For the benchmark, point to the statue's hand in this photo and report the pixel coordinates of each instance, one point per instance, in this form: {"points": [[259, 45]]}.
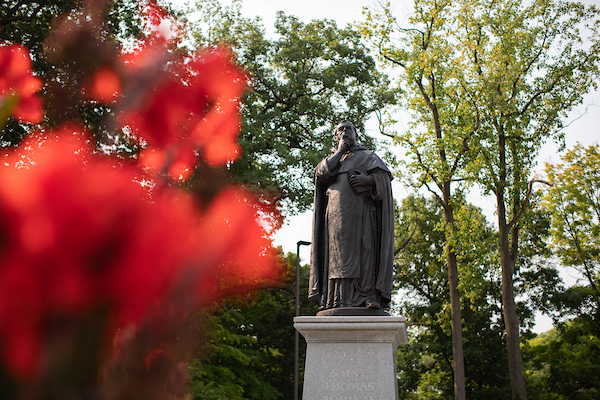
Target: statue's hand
{"points": [[360, 179], [343, 146]]}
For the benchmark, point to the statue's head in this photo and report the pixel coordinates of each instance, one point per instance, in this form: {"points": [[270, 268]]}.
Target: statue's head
{"points": [[346, 130]]}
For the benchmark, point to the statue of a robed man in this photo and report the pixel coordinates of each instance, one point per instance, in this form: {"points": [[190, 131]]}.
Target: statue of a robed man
{"points": [[353, 227]]}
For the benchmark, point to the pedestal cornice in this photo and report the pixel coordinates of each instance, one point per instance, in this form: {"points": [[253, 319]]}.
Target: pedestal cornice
{"points": [[347, 329]]}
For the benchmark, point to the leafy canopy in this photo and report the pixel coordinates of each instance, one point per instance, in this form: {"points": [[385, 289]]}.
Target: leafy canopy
{"points": [[304, 81]]}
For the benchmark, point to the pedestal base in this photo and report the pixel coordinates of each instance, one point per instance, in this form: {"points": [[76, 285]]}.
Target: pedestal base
{"points": [[351, 357]]}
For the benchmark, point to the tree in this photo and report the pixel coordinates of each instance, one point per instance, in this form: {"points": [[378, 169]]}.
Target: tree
{"points": [[304, 81], [445, 120], [425, 362], [529, 63], [574, 204], [524, 66], [564, 363]]}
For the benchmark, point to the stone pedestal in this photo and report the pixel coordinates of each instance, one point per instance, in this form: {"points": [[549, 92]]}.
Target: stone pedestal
{"points": [[351, 357]]}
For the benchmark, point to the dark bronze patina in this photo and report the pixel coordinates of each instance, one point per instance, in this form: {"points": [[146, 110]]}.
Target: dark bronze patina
{"points": [[353, 230]]}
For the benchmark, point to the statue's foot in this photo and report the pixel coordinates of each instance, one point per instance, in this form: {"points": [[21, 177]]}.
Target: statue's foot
{"points": [[372, 304]]}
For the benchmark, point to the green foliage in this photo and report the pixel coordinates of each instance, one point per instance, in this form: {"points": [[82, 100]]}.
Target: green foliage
{"points": [[475, 246], [433, 79], [425, 363], [28, 22], [564, 363], [304, 81], [249, 348], [574, 204], [237, 365], [529, 63]]}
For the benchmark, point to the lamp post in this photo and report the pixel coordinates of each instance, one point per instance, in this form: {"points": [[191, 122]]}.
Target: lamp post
{"points": [[296, 335]]}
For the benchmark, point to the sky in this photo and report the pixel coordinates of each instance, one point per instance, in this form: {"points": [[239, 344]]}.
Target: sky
{"points": [[342, 11], [584, 121]]}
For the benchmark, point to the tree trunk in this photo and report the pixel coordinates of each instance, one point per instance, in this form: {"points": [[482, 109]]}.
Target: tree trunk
{"points": [[508, 256], [511, 320], [458, 364]]}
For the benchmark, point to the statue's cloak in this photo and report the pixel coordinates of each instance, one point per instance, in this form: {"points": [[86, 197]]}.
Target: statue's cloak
{"points": [[378, 210]]}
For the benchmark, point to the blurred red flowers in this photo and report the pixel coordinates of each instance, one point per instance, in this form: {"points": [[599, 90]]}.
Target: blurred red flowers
{"points": [[18, 87], [195, 106], [84, 242], [80, 234]]}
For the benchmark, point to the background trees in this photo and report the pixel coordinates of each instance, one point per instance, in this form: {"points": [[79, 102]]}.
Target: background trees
{"points": [[425, 363], [563, 363], [520, 67], [250, 354], [444, 122], [304, 81], [574, 205]]}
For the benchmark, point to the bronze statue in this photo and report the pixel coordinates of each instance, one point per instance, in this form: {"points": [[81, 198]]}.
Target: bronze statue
{"points": [[353, 228]]}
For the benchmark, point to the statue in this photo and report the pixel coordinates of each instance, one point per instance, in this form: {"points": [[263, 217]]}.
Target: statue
{"points": [[353, 229]]}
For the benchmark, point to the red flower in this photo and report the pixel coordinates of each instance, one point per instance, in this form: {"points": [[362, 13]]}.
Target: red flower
{"points": [[16, 81], [105, 85], [79, 235], [242, 250], [82, 241], [196, 106], [82, 236]]}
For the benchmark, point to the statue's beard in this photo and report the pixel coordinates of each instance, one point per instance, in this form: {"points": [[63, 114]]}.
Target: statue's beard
{"points": [[351, 142]]}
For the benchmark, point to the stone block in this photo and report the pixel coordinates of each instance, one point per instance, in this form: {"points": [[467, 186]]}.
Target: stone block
{"points": [[351, 357]]}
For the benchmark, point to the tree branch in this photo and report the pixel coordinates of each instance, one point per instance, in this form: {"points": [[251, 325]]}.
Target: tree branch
{"points": [[407, 241], [381, 125], [422, 164], [526, 202]]}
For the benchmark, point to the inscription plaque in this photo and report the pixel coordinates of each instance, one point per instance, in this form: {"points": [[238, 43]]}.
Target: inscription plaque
{"points": [[351, 357], [349, 379]]}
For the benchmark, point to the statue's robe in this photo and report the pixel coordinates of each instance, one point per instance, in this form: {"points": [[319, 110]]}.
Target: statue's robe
{"points": [[353, 234]]}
